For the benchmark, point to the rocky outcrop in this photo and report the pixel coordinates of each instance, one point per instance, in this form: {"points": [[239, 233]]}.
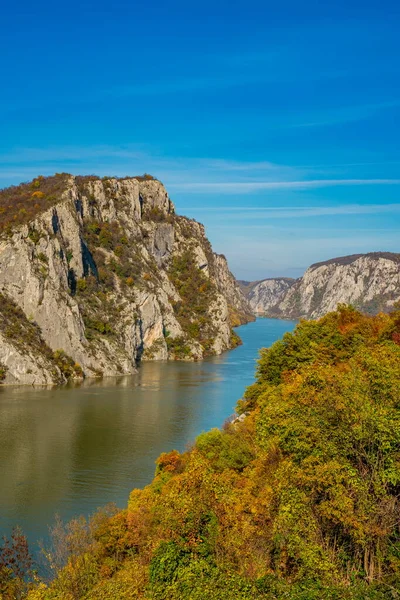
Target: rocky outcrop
{"points": [[370, 282], [265, 294], [239, 307], [25, 367], [111, 275]]}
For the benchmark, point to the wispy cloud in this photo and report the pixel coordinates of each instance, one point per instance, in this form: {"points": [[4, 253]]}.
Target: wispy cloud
{"points": [[346, 114], [300, 211], [133, 159], [189, 175], [231, 165], [349, 164], [70, 153], [241, 187], [249, 213]]}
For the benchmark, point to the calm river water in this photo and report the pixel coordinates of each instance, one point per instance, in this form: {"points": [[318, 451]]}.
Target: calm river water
{"points": [[70, 450]]}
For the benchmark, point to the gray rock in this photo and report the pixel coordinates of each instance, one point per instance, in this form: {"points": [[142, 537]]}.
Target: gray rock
{"points": [[263, 295], [134, 318], [370, 282]]}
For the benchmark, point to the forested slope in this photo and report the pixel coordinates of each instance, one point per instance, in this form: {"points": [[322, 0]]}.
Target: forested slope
{"points": [[297, 499]]}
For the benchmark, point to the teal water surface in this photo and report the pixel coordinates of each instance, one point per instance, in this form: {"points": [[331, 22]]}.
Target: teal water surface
{"points": [[70, 450]]}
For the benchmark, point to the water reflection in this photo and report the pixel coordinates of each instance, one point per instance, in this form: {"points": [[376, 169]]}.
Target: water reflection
{"points": [[72, 449]]}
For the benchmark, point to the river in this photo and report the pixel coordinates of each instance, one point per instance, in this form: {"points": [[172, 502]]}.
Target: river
{"points": [[71, 449]]}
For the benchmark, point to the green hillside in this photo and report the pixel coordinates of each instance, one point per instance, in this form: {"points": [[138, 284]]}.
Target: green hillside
{"points": [[298, 499]]}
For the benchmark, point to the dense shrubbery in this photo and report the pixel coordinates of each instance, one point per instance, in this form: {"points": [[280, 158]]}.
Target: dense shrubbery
{"points": [[178, 347], [235, 340], [3, 372], [197, 292], [299, 500], [157, 215], [68, 367], [20, 204], [26, 336], [15, 566], [118, 263], [145, 177], [82, 179]]}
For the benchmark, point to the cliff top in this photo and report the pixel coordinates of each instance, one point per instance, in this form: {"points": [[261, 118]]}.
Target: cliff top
{"points": [[348, 260], [20, 204], [250, 284]]}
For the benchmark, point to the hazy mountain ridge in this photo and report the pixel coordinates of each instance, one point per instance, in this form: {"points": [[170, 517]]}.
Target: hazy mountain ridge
{"points": [[371, 282], [105, 271], [263, 295]]}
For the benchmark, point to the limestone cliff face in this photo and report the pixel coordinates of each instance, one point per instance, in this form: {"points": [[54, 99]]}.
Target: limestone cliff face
{"points": [[370, 282], [111, 275], [238, 305], [263, 295]]}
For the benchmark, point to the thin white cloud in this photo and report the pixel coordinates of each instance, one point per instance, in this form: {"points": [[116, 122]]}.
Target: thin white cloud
{"points": [[132, 159], [70, 153], [278, 212], [349, 164], [245, 187], [230, 165], [191, 175]]}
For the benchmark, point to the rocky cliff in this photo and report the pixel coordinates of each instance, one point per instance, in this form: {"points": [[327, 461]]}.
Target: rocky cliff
{"points": [[239, 307], [264, 295], [97, 274], [370, 282]]}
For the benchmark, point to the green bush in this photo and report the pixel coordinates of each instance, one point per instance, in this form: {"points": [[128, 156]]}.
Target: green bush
{"points": [[81, 285], [96, 325], [34, 235], [197, 292], [165, 562], [3, 372], [19, 205], [178, 347], [224, 450], [42, 257]]}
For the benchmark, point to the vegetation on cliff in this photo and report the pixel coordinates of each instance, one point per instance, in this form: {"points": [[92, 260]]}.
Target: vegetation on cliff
{"points": [[20, 204], [197, 292], [25, 336], [369, 282], [297, 499], [109, 272]]}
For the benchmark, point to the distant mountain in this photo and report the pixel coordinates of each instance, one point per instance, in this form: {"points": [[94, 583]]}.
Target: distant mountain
{"points": [[264, 295], [370, 282]]}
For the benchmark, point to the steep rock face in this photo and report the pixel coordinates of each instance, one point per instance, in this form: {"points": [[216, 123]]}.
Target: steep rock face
{"points": [[24, 355], [371, 282], [26, 367], [110, 275], [263, 295], [238, 305]]}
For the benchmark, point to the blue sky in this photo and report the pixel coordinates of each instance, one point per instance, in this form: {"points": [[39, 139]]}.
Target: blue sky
{"points": [[276, 124]]}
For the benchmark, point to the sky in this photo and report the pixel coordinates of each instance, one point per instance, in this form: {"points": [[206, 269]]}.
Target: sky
{"points": [[276, 124]]}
